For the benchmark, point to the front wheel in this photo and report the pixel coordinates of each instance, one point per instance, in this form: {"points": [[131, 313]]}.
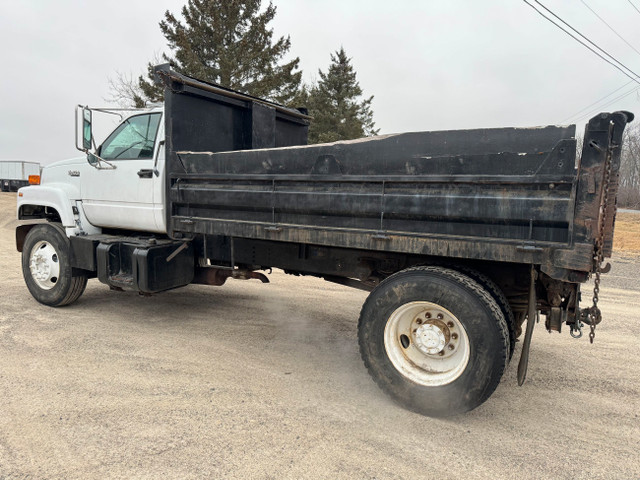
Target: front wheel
{"points": [[46, 267], [434, 340]]}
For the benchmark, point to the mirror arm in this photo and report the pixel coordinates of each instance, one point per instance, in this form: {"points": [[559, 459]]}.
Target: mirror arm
{"points": [[100, 161], [76, 130], [111, 165]]}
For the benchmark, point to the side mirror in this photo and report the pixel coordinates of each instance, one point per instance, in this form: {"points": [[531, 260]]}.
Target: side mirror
{"points": [[87, 135], [92, 159]]}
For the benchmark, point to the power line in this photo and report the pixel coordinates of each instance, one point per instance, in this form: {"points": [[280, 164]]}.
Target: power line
{"points": [[633, 6], [610, 27], [596, 102], [582, 43], [601, 108], [618, 65]]}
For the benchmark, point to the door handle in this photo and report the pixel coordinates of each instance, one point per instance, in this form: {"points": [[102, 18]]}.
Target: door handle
{"points": [[145, 173]]}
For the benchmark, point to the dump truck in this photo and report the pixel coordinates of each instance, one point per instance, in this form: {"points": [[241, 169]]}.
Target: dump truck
{"points": [[462, 237], [15, 174]]}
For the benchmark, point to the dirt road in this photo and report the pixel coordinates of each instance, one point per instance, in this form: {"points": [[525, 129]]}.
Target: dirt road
{"points": [[265, 381]]}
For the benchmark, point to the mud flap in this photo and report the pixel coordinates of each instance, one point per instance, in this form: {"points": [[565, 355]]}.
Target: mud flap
{"points": [[531, 321]]}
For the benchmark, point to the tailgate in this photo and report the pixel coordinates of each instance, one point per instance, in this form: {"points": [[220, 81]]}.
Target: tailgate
{"points": [[599, 169]]}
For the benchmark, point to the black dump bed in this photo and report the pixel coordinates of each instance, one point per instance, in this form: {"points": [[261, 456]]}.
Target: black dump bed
{"points": [[237, 166]]}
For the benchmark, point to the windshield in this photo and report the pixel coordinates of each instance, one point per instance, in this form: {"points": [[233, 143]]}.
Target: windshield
{"points": [[134, 138]]}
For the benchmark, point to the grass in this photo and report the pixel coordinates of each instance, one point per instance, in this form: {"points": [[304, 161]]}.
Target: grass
{"points": [[626, 237]]}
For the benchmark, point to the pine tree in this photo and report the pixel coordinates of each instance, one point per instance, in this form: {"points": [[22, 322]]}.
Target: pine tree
{"points": [[334, 102], [228, 42]]}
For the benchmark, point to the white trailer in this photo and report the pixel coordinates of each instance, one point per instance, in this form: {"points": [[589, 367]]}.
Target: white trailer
{"points": [[15, 174]]}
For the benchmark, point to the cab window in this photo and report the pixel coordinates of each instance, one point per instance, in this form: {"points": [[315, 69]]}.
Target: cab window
{"points": [[134, 138]]}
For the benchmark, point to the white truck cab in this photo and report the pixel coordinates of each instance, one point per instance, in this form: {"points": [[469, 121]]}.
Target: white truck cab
{"points": [[120, 186]]}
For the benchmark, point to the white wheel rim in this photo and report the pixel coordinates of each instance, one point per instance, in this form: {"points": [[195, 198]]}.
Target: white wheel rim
{"points": [[44, 265], [426, 343]]}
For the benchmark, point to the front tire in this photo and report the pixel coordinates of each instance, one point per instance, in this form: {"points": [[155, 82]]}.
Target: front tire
{"points": [[434, 340], [46, 267]]}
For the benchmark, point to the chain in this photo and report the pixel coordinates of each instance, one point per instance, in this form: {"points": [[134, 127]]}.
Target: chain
{"points": [[595, 316]]}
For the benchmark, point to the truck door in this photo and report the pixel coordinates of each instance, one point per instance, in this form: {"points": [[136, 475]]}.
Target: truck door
{"points": [[123, 197]]}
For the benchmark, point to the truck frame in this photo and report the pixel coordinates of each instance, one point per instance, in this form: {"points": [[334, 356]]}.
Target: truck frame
{"points": [[460, 236]]}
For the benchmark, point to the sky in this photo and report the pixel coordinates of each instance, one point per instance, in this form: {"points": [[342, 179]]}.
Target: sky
{"points": [[430, 65]]}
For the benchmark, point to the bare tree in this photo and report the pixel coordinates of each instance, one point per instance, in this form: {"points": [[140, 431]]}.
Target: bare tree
{"points": [[629, 174], [629, 180], [125, 91]]}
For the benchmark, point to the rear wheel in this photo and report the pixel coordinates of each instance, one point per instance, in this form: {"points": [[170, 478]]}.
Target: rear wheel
{"points": [[434, 340], [46, 267], [500, 298]]}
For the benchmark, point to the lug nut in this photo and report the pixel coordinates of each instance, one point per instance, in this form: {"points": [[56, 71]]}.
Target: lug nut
{"points": [[451, 347], [441, 353], [450, 324], [419, 321], [428, 315], [454, 336], [440, 317]]}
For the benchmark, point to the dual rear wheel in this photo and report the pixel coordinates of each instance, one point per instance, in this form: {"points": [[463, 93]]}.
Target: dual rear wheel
{"points": [[434, 339]]}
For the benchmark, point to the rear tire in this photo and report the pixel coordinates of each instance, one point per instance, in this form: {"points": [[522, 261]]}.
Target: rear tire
{"points": [[499, 297], [46, 267], [434, 340]]}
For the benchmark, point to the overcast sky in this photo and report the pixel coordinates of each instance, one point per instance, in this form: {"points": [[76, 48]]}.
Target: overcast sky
{"points": [[431, 65]]}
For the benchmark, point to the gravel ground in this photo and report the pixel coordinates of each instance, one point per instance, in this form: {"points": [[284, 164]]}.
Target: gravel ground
{"points": [[265, 381]]}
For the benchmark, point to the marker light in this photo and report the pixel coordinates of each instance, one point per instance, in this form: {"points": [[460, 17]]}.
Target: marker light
{"points": [[34, 179]]}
